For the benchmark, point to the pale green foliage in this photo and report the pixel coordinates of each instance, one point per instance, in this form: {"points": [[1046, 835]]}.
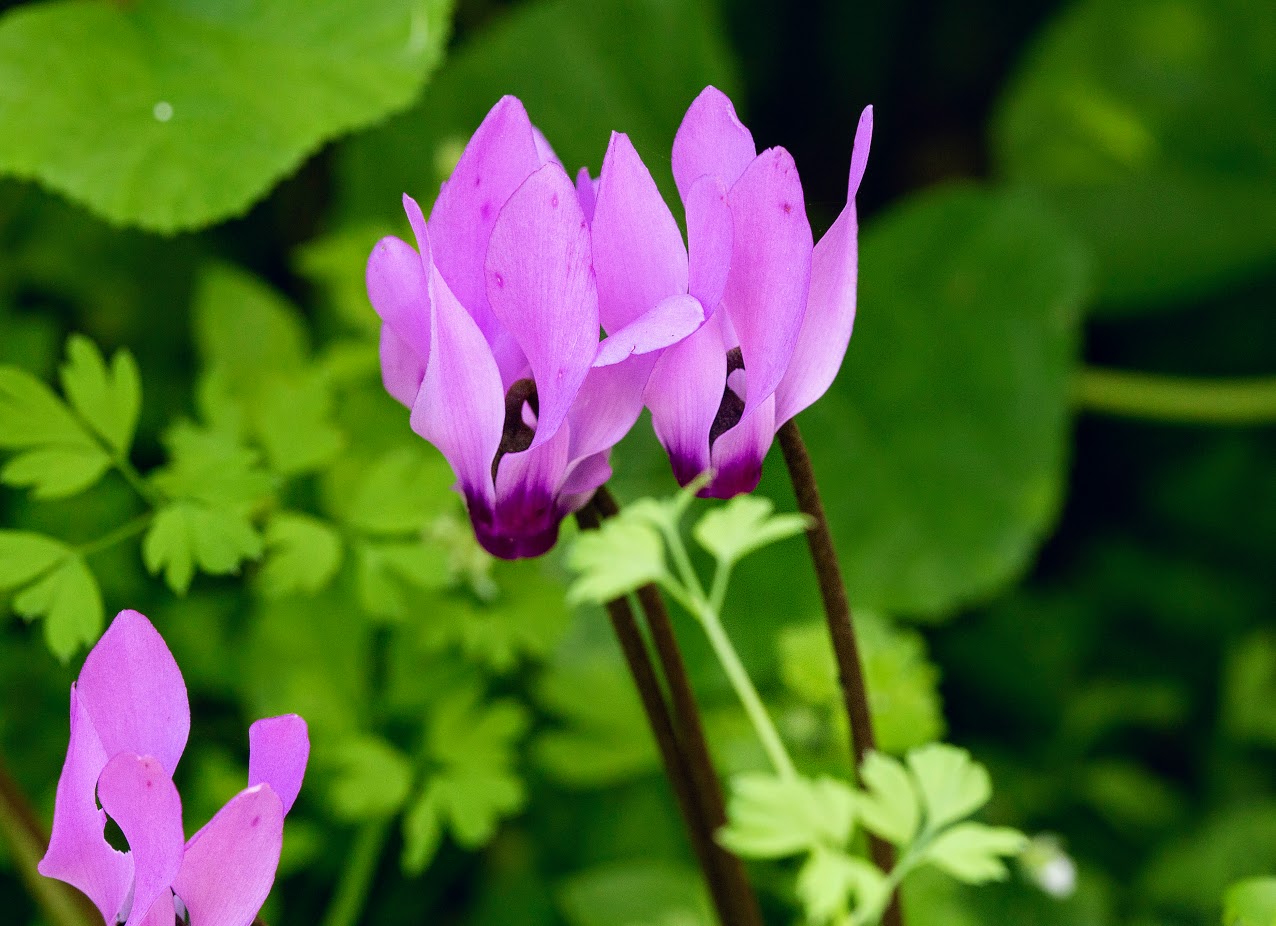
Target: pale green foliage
{"points": [[302, 555], [370, 778], [1250, 903], [744, 524], [624, 554], [828, 877], [172, 115], [951, 783], [889, 807], [635, 893], [52, 582], [188, 535], [108, 400], [772, 817]]}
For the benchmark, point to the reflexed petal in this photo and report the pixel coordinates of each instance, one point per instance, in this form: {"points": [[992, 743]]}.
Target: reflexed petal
{"points": [[608, 404], [498, 158], [461, 406], [78, 851], [544, 150], [770, 269], [402, 369], [639, 256], [541, 287], [138, 794], [399, 291], [583, 481], [133, 691], [586, 192], [711, 140], [417, 220], [739, 452], [666, 323], [830, 308], [230, 864], [684, 393], [708, 241], [278, 749], [525, 522]]}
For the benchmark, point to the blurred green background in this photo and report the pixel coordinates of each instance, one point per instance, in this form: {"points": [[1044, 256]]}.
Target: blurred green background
{"points": [[1082, 598]]}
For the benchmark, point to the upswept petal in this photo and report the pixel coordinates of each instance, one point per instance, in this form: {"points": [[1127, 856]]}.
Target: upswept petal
{"points": [[639, 257], [133, 691], [684, 393], [540, 284], [402, 368], [666, 323], [830, 308], [709, 234], [399, 290], [230, 864], [583, 480], [544, 150], [711, 140], [78, 851], [527, 513], [138, 794], [586, 192], [278, 749], [738, 453], [498, 158], [608, 404], [770, 269], [461, 406]]}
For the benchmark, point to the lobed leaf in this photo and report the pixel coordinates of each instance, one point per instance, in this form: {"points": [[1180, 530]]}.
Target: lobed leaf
{"points": [[107, 399], [624, 554], [975, 853], [951, 783], [69, 600], [744, 524], [303, 553], [186, 536]]}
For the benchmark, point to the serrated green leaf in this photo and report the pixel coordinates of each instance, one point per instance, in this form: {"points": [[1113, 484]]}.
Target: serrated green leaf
{"points": [[975, 853], [1251, 902], [773, 817], [69, 600], [56, 472], [109, 400], [174, 115], [388, 572], [952, 784], [401, 493], [25, 556], [623, 555], [827, 881], [212, 467], [292, 421], [187, 535], [32, 416], [302, 555], [889, 806], [370, 779], [744, 524], [422, 831]]}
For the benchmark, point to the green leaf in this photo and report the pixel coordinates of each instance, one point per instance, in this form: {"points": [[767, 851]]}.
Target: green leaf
{"points": [[952, 784], [370, 779], [211, 467], [173, 115], [889, 805], [302, 555], [109, 400], [292, 417], [25, 556], [974, 853], [1251, 902], [56, 472], [948, 429], [828, 880], [645, 61], [188, 535], [1138, 169], [621, 556], [31, 415], [69, 600], [772, 817], [389, 571], [745, 524], [401, 493], [245, 329], [422, 831], [635, 892]]}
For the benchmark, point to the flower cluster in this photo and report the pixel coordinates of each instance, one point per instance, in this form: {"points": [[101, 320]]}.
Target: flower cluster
{"points": [[491, 323], [130, 718]]}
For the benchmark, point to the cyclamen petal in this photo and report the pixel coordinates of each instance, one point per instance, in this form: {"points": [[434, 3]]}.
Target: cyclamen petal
{"points": [[665, 324], [684, 393], [278, 750], [709, 236], [712, 141]]}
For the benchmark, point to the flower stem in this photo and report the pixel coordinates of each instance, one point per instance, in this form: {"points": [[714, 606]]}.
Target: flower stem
{"points": [[837, 611], [694, 745], [360, 870], [1180, 400], [24, 839], [125, 531]]}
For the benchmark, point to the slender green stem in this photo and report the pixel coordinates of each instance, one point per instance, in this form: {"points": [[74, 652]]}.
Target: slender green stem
{"points": [[135, 480], [718, 591], [125, 531], [357, 876], [1177, 399]]}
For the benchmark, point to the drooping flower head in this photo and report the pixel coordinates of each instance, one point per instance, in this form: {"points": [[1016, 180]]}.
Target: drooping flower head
{"points": [[490, 336], [129, 722], [780, 310]]}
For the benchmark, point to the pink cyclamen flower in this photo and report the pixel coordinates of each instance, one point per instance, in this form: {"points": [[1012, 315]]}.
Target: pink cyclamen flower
{"points": [[129, 721], [490, 336], [780, 311]]}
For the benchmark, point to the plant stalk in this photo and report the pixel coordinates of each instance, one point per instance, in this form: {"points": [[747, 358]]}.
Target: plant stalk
{"points": [[351, 897], [1176, 399], [672, 756], [837, 611]]}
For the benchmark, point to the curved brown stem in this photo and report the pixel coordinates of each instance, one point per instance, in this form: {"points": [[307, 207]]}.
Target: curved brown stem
{"points": [[837, 610]]}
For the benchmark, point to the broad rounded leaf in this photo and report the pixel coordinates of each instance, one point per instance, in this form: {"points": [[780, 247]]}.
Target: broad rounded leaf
{"points": [[942, 445], [172, 115]]}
